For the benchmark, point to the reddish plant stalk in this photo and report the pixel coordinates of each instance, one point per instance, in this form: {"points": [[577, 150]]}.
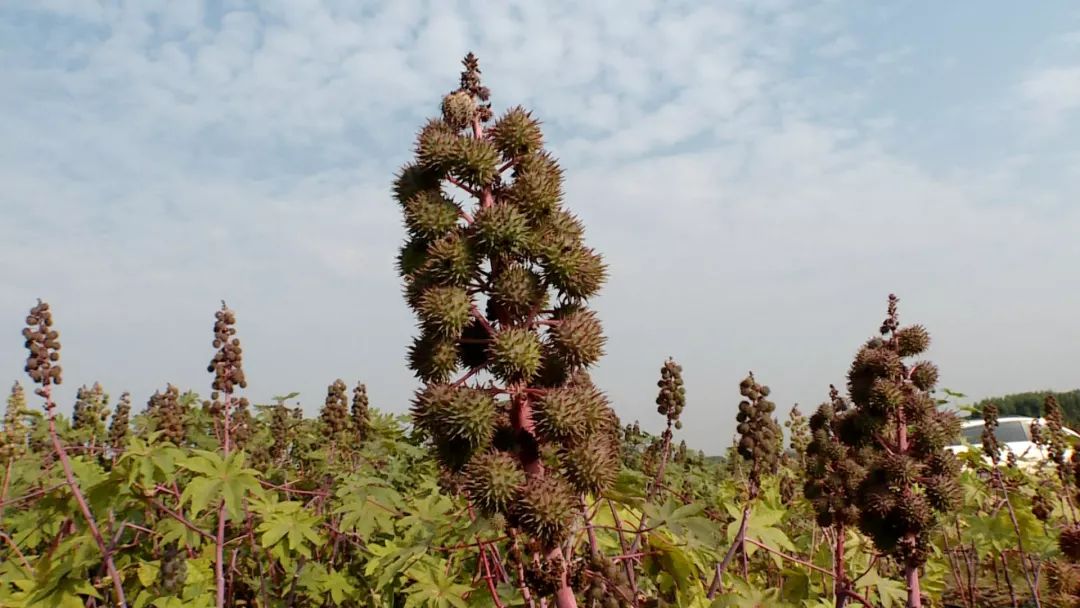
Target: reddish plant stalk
{"points": [[219, 540], [69, 475]]}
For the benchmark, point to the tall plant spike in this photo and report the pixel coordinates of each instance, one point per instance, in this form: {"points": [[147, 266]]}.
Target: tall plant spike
{"points": [[499, 276], [899, 436]]}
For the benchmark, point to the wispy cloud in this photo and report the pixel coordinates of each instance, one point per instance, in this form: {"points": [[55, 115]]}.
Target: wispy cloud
{"points": [[747, 191]]}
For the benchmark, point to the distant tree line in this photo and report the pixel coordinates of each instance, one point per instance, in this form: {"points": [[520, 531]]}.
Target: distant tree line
{"points": [[1031, 404]]}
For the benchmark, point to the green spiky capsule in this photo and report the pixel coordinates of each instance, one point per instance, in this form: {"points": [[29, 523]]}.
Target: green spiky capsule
{"points": [[559, 416], [516, 354], [493, 480], [516, 133], [924, 375], [517, 291], [502, 229], [445, 310], [433, 358], [537, 185], [469, 417], [591, 467], [436, 146], [912, 340], [578, 337], [546, 509], [430, 215]]}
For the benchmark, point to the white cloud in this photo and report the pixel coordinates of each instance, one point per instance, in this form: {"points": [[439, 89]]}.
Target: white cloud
{"points": [[1051, 94], [173, 157]]}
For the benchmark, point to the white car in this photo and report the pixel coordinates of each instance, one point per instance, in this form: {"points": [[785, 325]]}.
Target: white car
{"points": [[1014, 435]]}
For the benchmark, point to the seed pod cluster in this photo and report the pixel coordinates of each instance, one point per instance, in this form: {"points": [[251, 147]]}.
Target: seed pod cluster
{"points": [[361, 417], [1056, 443], [799, 431], [168, 414], [335, 411], [120, 426], [43, 342], [228, 357], [91, 412], [13, 440], [672, 398], [833, 474], [899, 436], [500, 291], [990, 446], [759, 433]]}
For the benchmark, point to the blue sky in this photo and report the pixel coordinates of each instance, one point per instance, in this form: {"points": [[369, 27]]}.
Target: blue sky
{"points": [[759, 174]]}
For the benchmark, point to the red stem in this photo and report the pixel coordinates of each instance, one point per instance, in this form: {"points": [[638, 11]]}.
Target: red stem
{"points": [[69, 475]]}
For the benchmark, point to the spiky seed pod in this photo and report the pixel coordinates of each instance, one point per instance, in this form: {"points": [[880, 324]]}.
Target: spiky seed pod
{"points": [[502, 229], [474, 161], [924, 375], [516, 354], [445, 310], [361, 417], [458, 109], [413, 179], [430, 405], [516, 133], [943, 493], [411, 258], [886, 396], [578, 337], [912, 340], [334, 415], [559, 415], [516, 291], [545, 509], [591, 468], [493, 480], [119, 428], [451, 260], [672, 396], [537, 185], [1069, 542], [430, 215], [43, 344], [435, 146], [469, 417], [578, 273], [433, 358]]}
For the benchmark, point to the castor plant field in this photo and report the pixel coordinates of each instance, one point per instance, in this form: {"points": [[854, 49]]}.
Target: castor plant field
{"points": [[512, 480]]}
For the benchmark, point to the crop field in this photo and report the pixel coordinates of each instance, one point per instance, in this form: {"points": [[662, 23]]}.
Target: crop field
{"points": [[512, 481]]}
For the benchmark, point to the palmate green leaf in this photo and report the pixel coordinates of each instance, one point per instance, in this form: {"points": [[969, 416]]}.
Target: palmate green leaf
{"points": [[743, 595], [761, 526], [339, 587], [432, 588], [674, 560], [218, 479], [888, 592]]}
